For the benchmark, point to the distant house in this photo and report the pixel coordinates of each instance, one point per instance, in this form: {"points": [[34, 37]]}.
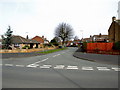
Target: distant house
{"points": [[114, 30], [19, 42], [41, 40], [85, 39], [96, 38], [38, 39], [46, 41], [100, 38]]}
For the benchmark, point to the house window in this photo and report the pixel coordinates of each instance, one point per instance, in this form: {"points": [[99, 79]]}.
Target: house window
{"points": [[16, 45]]}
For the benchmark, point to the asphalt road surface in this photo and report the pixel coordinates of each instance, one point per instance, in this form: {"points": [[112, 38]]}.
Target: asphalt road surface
{"points": [[57, 70]]}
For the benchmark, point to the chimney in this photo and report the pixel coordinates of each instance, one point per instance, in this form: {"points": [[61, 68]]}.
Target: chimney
{"points": [[113, 19], [43, 37]]}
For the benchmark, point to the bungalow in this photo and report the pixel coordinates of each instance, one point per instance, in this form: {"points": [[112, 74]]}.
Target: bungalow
{"points": [[41, 40], [19, 42]]}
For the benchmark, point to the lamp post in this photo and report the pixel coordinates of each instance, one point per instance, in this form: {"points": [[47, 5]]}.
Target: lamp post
{"points": [[81, 32]]}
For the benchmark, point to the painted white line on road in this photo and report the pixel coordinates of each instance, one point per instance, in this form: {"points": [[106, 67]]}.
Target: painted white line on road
{"points": [[72, 67], [19, 65], [56, 55], [32, 65], [87, 68], [103, 69], [116, 68], [59, 67], [41, 61], [0, 64], [8, 64], [46, 66], [35, 64]]}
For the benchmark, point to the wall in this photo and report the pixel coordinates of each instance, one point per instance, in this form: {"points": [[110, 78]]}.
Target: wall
{"points": [[25, 50], [99, 46]]}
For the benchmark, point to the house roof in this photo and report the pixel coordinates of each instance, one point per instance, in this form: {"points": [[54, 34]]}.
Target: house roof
{"points": [[38, 39], [118, 21], [22, 40], [100, 35], [86, 39]]}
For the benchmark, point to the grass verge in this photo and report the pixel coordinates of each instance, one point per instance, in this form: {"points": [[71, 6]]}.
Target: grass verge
{"points": [[51, 51]]}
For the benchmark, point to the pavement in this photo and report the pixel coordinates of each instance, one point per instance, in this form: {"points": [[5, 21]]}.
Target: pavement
{"points": [[16, 55], [58, 70], [101, 58]]}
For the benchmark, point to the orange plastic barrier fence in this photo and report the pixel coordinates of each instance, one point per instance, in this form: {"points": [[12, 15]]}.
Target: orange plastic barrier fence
{"points": [[99, 46]]}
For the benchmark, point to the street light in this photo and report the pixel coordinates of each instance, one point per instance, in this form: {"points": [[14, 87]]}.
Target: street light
{"points": [[82, 32]]}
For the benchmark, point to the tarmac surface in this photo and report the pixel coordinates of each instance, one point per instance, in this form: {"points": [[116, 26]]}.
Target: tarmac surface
{"points": [[102, 58], [58, 70]]}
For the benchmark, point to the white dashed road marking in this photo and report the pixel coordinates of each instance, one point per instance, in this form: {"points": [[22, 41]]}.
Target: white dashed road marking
{"points": [[46, 66], [72, 67], [69, 67], [87, 68], [116, 68], [0, 64], [59, 67], [32, 65], [8, 64], [103, 68], [19, 65]]}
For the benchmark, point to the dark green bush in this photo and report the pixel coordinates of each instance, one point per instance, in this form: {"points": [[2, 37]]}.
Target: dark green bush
{"points": [[26, 47], [116, 46]]}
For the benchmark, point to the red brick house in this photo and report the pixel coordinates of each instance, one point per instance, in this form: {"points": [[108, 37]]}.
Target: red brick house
{"points": [[114, 30], [39, 39]]}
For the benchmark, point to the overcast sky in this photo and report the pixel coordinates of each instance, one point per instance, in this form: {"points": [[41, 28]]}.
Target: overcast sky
{"points": [[41, 17]]}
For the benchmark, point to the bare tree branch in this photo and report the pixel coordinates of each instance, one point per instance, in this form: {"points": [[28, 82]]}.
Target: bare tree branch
{"points": [[64, 31]]}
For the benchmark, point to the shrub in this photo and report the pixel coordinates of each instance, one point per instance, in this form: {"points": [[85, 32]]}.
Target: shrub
{"points": [[26, 47], [84, 47], [116, 46]]}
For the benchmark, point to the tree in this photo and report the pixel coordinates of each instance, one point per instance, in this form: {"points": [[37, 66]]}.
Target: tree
{"points": [[76, 38], [64, 31], [27, 37], [55, 41], [7, 39]]}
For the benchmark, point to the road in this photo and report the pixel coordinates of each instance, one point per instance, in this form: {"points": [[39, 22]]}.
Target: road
{"points": [[57, 70]]}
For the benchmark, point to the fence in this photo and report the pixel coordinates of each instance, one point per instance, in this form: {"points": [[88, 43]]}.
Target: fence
{"points": [[102, 48], [99, 46]]}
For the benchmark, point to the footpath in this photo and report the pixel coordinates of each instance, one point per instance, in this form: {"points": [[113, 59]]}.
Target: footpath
{"points": [[14, 55], [101, 58]]}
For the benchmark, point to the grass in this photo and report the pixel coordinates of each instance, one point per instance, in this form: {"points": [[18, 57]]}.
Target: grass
{"points": [[52, 51]]}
